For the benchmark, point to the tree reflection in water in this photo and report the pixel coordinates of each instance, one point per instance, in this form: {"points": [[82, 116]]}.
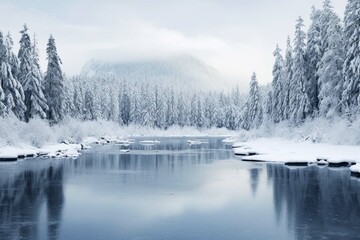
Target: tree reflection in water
{"points": [[23, 192], [317, 203], [314, 203]]}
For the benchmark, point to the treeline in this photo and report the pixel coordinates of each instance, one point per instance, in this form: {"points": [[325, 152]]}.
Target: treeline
{"points": [[152, 105], [320, 74], [24, 90]]}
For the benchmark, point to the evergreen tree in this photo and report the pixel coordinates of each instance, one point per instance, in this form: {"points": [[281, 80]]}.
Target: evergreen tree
{"points": [[351, 66], [171, 111], [135, 111], [24, 55], [89, 106], [148, 107], [331, 77], [231, 117], [326, 15], [125, 106], [11, 91], [193, 111], [210, 110], [277, 87], [299, 101], [181, 111], [54, 84], [220, 111], [268, 107], [112, 113], [199, 114], [34, 97], [159, 111], [78, 102], [253, 110], [287, 79], [314, 54]]}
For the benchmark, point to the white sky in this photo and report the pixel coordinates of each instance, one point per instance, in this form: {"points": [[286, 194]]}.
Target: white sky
{"points": [[236, 37]]}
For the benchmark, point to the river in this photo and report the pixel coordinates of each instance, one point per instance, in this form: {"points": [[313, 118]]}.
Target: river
{"points": [[173, 190]]}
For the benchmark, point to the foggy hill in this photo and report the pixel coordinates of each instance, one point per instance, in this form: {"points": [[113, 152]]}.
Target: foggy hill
{"points": [[183, 71]]}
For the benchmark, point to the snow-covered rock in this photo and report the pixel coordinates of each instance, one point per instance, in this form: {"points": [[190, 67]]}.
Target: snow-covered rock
{"points": [[355, 169]]}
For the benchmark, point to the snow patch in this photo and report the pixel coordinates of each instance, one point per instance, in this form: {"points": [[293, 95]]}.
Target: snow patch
{"points": [[285, 151]]}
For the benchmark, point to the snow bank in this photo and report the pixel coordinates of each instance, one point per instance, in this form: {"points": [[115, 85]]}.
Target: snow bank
{"points": [[355, 169], [319, 130], [19, 139], [12, 153], [285, 151], [38, 133]]}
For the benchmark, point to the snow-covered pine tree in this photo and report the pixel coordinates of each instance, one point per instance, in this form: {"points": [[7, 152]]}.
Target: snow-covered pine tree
{"points": [[268, 107], [193, 111], [12, 91], [13, 60], [34, 97], [68, 99], [199, 114], [287, 79], [135, 111], [330, 72], [24, 55], [231, 116], [54, 83], [351, 68], [220, 111], [326, 15], [125, 106], [160, 107], [210, 110], [299, 101], [171, 110], [112, 114], [277, 87], [181, 110], [89, 106], [78, 101], [238, 102], [148, 106], [253, 109], [314, 54]]}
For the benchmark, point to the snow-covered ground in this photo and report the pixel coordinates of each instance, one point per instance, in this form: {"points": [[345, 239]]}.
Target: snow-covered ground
{"points": [[295, 152], [19, 139], [11, 153]]}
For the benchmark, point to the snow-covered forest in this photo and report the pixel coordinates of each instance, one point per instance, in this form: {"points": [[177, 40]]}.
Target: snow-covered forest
{"points": [[317, 76]]}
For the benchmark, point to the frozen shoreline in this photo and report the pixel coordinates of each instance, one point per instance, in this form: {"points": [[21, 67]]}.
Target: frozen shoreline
{"points": [[276, 150], [69, 149], [289, 152], [62, 150]]}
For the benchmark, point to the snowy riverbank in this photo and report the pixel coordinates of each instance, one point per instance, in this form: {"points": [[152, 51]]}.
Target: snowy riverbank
{"points": [[298, 153], [13, 153], [36, 138]]}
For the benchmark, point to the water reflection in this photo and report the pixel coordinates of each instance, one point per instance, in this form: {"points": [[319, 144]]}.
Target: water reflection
{"points": [[174, 191], [254, 179], [23, 193], [317, 203]]}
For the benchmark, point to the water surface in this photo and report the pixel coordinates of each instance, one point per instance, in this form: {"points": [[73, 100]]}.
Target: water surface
{"points": [[174, 191]]}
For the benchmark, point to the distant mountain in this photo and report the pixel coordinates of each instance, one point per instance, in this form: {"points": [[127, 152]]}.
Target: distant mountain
{"points": [[184, 71]]}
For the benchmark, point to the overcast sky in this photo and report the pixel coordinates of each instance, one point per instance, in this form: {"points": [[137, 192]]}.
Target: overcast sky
{"points": [[236, 37]]}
